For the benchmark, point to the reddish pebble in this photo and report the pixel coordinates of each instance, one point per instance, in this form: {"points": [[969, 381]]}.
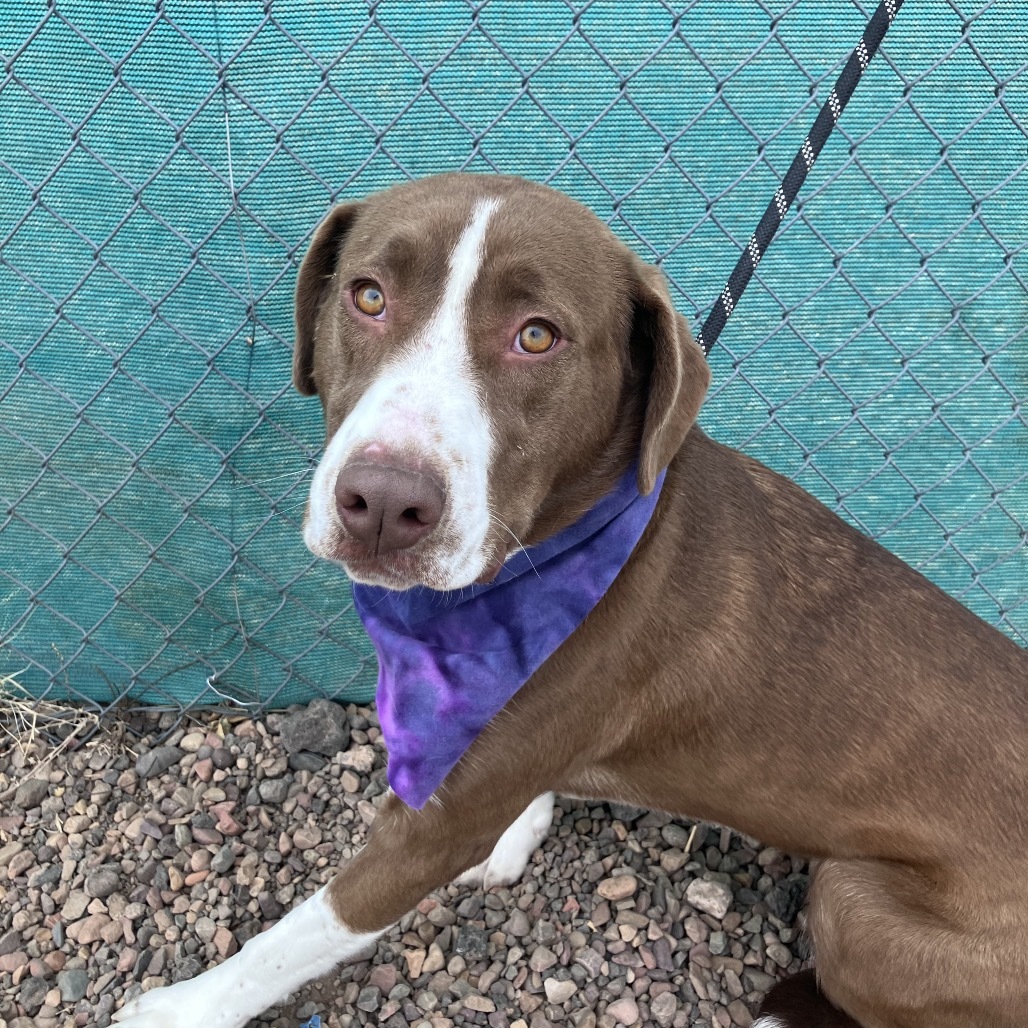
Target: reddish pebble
{"points": [[225, 942], [12, 961]]}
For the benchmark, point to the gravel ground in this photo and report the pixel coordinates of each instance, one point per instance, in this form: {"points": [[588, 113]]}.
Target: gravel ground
{"points": [[130, 864]]}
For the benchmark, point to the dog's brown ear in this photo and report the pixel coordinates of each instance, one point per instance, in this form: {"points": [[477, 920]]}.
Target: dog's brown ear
{"points": [[678, 373], [311, 285]]}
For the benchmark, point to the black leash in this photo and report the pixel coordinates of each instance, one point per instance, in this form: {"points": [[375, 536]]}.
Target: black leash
{"points": [[797, 173]]}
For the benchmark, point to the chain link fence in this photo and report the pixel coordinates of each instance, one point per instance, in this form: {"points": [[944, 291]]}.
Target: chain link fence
{"points": [[162, 167]]}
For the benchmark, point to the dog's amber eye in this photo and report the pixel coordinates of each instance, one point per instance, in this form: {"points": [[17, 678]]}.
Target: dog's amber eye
{"points": [[367, 297], [536, 337]]}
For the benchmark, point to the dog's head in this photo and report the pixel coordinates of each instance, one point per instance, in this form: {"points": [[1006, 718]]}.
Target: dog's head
{"points": [[490, 359]]}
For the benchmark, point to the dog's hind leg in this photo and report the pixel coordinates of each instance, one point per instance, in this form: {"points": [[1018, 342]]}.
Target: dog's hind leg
{"points": [[797, 1003], [506, 864]]}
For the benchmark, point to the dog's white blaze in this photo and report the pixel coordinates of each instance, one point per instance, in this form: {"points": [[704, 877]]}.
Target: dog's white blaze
{"points": [[308, 942], [426, 403], [769, 1022]]}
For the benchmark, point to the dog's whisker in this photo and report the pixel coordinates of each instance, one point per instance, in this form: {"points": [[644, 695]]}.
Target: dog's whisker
{"points": [[521, 546], [285, 474]]}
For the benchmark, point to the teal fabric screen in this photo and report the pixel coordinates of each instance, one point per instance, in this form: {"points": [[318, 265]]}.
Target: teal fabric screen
{"points": [[161, 170]]}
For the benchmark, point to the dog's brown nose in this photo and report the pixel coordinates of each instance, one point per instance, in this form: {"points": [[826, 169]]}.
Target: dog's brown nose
{"points": [[387, 508]]}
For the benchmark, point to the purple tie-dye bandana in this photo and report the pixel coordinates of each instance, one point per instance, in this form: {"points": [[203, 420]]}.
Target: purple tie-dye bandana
{"points": [[448, 662]]}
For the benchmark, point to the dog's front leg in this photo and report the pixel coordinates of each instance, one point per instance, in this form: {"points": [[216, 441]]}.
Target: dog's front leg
{"points": [[409, 854]]}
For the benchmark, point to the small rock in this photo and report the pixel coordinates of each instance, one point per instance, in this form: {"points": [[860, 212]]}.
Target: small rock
{"points": [[383, 977], [673, 860], [483, 1004], [186, 968], [559, 992], [32, 993], [89, 929], [360, 758], [192, 742], [306, 837], [663, 1009], [321, 728], [415, 962], [223, 859], [31, 793], [590, 960], [624, 1011], [9, 942], [675, 835], [755, 980], [434, 961], [618, 888], [784, 899], [542, 958], [102, 882], [369, 998], [73, 984], [273, 790], [712, 898], [305, 761], [225, 942], [472, 943], [10, 962], [157, 761], [74, 906], [739, 1013], [625, 812], [518, 924]]}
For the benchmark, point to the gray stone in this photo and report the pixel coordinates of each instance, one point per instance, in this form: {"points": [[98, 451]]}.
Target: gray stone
{"points": [[273, 790], [9, 942], [518, 924], [320, 728], [472, 943], [73, 984], [102, 882], [223, 859], [784, 899], [270, 907], [675, 835], [369, 999], [590, 960], [45, 876], [305, 761], [31, 793], [755, 980], [32, 993], [156, 761]]}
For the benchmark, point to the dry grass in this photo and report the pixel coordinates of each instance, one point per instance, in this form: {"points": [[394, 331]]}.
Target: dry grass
{"points": [[29, 733]]}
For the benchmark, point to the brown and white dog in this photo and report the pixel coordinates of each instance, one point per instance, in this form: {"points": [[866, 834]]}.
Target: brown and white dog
{"points": [[493, 336]]}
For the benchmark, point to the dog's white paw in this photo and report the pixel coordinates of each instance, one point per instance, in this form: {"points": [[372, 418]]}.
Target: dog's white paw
{"points": [[509, 858], [183, 1005]]}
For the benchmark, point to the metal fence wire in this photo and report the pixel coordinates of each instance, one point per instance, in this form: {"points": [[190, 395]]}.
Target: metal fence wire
{"points": [[162, 167]]}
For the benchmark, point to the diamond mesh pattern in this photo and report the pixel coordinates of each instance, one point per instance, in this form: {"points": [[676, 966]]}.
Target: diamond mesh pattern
{"points": [[162, 168]]}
